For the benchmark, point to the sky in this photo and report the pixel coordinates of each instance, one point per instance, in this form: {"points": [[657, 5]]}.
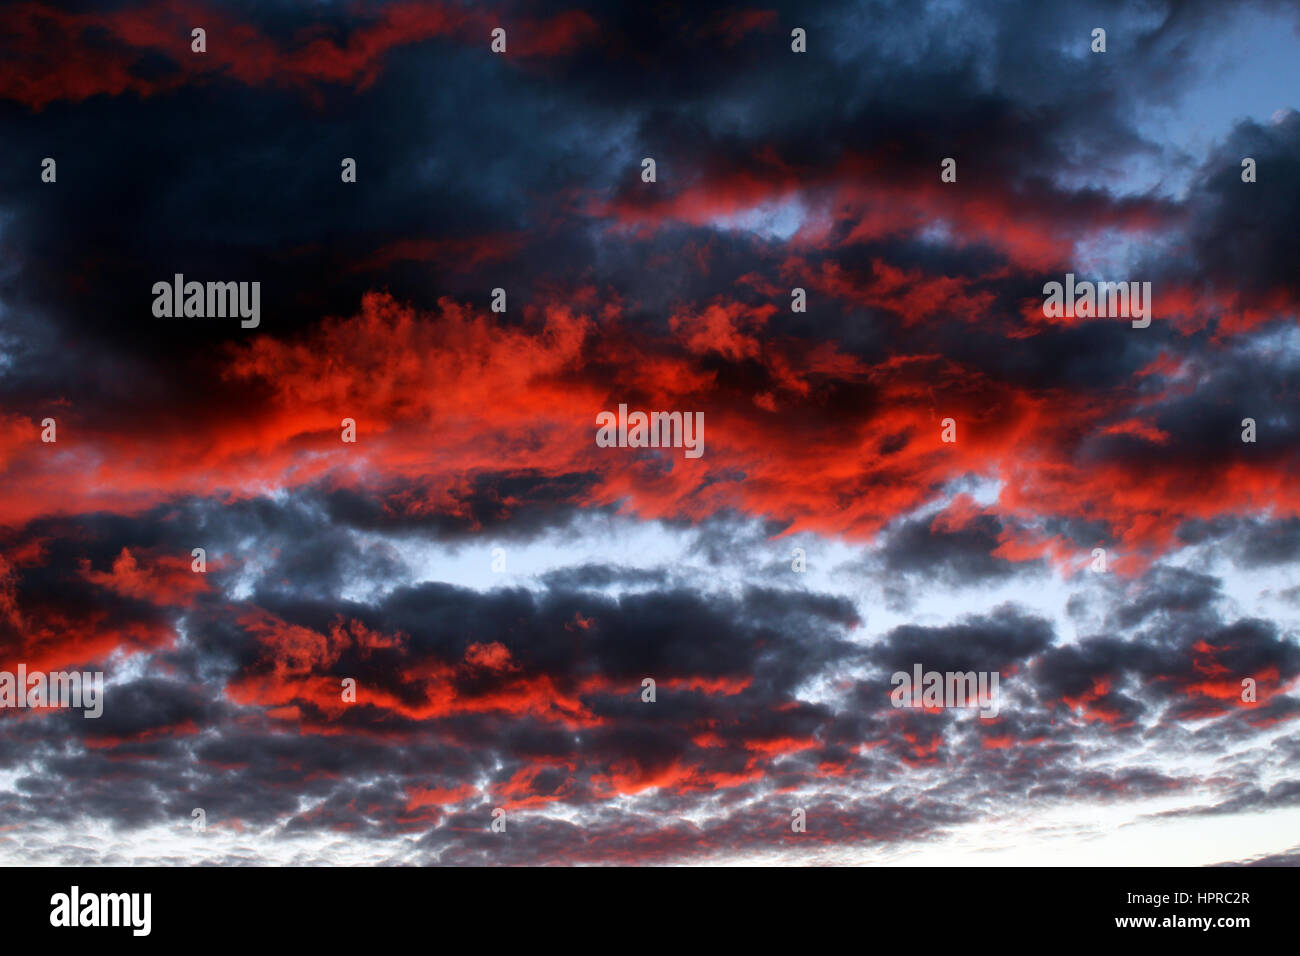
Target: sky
{"points": [[497, 585]]}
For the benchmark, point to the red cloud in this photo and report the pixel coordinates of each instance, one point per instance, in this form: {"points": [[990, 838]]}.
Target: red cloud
{"points": [[53, 55]]}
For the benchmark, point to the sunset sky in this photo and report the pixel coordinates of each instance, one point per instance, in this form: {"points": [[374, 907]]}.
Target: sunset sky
{"points": [[1122, 736]]}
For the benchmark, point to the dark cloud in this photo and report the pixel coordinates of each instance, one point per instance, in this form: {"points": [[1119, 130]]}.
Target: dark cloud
{"points": [[957, 556]]}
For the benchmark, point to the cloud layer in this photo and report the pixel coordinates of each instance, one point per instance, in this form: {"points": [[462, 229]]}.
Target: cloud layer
{"points": [[513, 679]]}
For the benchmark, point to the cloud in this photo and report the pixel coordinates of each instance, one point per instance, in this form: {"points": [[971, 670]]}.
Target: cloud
{"points": [[330, 560]]}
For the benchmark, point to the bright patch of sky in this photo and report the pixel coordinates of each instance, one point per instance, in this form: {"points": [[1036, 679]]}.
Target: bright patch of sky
{"points": [[1247, 66], [772, 220]]}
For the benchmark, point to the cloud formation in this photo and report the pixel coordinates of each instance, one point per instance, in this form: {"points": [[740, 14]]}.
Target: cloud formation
{"points": [[514, 680]]}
